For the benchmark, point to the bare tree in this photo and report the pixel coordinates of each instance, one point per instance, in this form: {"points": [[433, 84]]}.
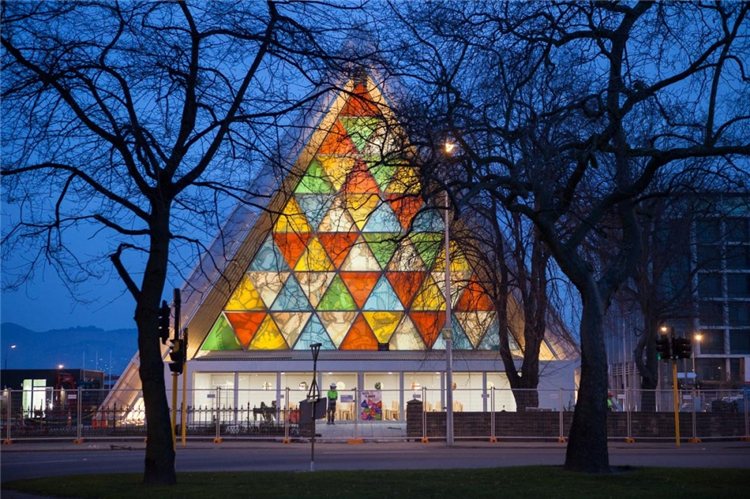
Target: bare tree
{"points": [[141, 121], [565, 113]]}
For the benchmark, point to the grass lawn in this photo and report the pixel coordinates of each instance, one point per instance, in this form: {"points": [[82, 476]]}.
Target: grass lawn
{"points": [[531, 481]]}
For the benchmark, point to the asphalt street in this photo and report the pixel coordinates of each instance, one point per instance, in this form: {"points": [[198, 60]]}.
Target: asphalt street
{"points": [[37, 460]]}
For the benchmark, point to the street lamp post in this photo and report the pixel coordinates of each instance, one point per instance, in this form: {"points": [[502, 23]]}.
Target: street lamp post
{"points": [[313, 395], [450, 147], [697, 337]]}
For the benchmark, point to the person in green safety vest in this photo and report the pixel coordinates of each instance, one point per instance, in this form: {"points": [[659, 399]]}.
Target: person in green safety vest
{"points": [[332, 396]]}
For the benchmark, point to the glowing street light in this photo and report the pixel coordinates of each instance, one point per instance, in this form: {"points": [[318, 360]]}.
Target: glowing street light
{"points": [[697, 337], [7, 354], [60, 366], [449, 146]]}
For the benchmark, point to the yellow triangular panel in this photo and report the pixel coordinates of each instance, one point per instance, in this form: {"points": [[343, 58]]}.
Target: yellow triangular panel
{"points": [[406, 336], [314, 284], [268, 337], [268, 284], [459, 263], [292, 219], [361, 206], [337, 324], [383, 324], [245, 297], [314, 258], [290, 324], [429, 296], [337, 168], [360, 258], [405, 181]]}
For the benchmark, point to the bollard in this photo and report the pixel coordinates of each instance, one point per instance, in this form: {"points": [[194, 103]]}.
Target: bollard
{"points": [[493, 438]]}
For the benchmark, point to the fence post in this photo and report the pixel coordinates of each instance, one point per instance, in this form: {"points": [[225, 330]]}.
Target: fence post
{"points": [[694, 439], [8, 439], [745, 400], [217, 438], [286, 416], [493, 438], [628, 419], [79, 417], [561, 439], [425, 440], [355, 415]]}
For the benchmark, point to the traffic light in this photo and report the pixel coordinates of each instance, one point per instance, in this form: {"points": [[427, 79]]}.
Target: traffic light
{"points": [[664, 347], [682, 348], [177, 356], [163, 326]]}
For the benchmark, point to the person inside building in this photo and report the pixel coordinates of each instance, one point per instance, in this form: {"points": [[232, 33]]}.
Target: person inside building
{"points": [[332, 396]]}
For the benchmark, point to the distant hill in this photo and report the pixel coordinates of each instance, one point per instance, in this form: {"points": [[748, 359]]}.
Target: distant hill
{"points": [[69, 347]]}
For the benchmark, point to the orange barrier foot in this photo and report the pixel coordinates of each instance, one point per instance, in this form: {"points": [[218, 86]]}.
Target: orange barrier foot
{"points": [[562, 440], [694, 440], [425, 440], [355, 441], [629, 440], [493, 440], [745, 439], [286, 441], [7, 441], [78, 441], [218, 440]]}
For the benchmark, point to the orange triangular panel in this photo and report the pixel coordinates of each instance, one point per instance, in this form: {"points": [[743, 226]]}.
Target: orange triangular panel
{"points": [[337, 245], [405, 207], [405, 284], [245, 325], [474, 298], [291, 245], [360, 337], [360, 181], [360, 285], [429, 325], [360, 103], [338, 142]]}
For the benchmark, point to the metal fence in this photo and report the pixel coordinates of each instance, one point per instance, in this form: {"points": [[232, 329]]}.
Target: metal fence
{"points": [[494, 414]]}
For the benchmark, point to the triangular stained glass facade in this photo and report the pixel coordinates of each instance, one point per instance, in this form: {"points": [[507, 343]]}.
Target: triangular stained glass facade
{"points": [[352, 256]]}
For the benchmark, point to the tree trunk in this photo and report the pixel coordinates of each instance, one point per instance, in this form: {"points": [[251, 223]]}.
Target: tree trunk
{"points": [[160, 455], [587, 446]]}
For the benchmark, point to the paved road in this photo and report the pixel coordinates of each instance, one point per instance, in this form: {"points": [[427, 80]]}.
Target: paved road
{"points": [[37, 460]]}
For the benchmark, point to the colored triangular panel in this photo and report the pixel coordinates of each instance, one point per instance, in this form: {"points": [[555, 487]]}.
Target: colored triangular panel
{"points": [[268, 337], [381, 171], [337, 245], [337, 324], [314, 332], [337, 219], [460, 340], [406, 258], [338, 142], [360, 285], [314, 285], [245, 325], [406, 337], [360, 181], [360, 103], [458, 282], [404, 181], [337, 169], [405, 207], [269, 284], [383, 297], [428, 221], [314, 181], [290, 324], [428, 245], [429, 325], [429, 296], [383, 246], [475, 324], [385, 142], [360, 129], [405, 285], [245, 297], [292, 219], [314, 258], [361, 206], [269, 258], [459, 263], [314, 206], [291, 245], [221, 337], [291, 298], [360, 258], [491, 338], [360, 337], [382, 220], [337, 297], [474, 298], [383, 324]]}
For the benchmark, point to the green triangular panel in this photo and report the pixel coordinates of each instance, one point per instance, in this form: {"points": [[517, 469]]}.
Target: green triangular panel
{"points": [[269, 258], [314, 181], [291, 298], [314, 332], [460, 340], [360, 129], [337, 297], [382, 246], [314, 206], [428, 245], [382, 172], [221, 337]]}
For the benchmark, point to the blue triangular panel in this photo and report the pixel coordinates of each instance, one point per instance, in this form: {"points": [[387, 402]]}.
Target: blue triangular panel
{"points": [[491, 340], [383, 297], [428, 221], [460, 340], [314, 332], [269, 258], [382, 220], [314, 207], [291, 298]]}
